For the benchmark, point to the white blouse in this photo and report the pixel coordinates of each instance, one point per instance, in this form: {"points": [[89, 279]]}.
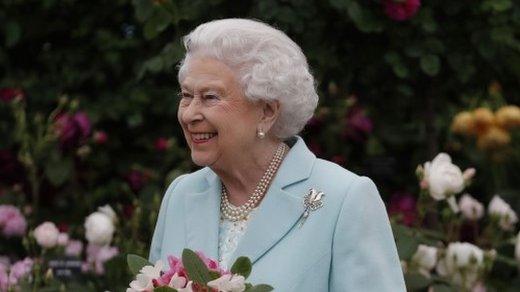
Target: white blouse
{"points": [[229, 236]]}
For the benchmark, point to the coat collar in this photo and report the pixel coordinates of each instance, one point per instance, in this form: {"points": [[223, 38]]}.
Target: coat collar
{"points": [[203, 209]]}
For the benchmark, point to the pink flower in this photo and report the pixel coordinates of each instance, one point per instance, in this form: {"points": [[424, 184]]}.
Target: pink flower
{"points": [[403, 204], [4, 277], [401, 10], [74, 248], [9, 94], [12, 222], [46, 234], [358, 125], [19, 270], [162, 144], [100, 137], [97, 256], [72, 129]]}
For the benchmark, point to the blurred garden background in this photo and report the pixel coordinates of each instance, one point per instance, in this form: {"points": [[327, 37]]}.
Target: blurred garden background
{"points": [[88, 101]]}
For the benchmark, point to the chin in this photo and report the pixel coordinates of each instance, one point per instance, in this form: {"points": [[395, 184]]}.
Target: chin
{"points": [[199, 160]]}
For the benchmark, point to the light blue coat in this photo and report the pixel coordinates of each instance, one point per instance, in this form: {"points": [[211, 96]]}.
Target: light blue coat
{"points": [[347, 245]]}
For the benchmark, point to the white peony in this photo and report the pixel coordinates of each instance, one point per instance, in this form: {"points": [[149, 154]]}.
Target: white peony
{"points": [[107, 210], [228, 283], [46, 234], [144, 280], [443, 179], [99, 228], [462, 263], [425, 258], [507, 216], [471, 209]]}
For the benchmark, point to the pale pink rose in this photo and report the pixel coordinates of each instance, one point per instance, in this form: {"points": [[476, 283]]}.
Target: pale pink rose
{"points": [[97, 256], [74, 248], [99, 228], [46, 234], [63, 239], [468, 174], [507, 216], [425, 258], [471, 209], [444, 178]]}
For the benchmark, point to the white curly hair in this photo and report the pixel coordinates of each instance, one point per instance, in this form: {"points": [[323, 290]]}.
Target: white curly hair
{"points": [[268, 64]]}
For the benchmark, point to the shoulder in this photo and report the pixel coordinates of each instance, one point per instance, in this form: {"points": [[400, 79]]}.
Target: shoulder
{"points": [[343, 186], [190, 182]]}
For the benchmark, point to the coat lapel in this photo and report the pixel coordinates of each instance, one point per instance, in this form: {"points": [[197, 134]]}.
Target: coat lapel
{"points": [[280, 210], [203, 215]]}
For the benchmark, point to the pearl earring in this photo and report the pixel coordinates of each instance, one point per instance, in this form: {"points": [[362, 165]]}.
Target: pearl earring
{"points": [[260, 134]]}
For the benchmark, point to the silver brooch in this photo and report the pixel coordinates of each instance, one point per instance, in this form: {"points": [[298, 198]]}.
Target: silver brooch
{"points": [[311, 202]]}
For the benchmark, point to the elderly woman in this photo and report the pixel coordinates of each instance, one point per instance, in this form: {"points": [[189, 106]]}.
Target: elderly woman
{"points": [[306, 224]]}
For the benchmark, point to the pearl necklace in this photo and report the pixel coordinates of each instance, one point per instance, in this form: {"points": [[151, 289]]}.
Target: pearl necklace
{"points": [[232, 213]]}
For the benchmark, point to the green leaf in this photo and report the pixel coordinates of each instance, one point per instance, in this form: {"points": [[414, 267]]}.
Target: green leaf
{"points": [[136, 263], [260, 288], [13, 32], [242, 266], [58, 169], [430, 64], [157, 23], [496, 5], [143, 9], [406, 244], [214, 275], [416, 281], [164, 289], [363, 18], [195, 267], [441, 288]]}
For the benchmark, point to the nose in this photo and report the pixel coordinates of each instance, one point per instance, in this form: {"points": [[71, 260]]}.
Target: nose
{"points": [[191, 113]]}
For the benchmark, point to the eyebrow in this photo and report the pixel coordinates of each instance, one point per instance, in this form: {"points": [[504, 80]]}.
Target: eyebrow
{"points": [[212, 86]]}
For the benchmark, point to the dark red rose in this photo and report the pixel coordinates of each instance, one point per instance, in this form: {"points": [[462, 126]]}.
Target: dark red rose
{"points": [[401, 10], [73, 129], [405, 205], [100, 137], [162, 144], [128, 211], [63, 227], [358, 125], [9, 94], [136, 180]]}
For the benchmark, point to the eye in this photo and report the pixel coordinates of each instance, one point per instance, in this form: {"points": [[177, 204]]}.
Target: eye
{"points": [[210, 96], [184, 95]]}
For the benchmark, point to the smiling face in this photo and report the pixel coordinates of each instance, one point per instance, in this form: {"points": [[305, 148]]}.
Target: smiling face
{"points": [[218, 121]]}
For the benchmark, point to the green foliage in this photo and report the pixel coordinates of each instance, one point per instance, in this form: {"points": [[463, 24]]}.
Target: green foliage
{"points": [[195, 267], [242, 266], [136, 263]]}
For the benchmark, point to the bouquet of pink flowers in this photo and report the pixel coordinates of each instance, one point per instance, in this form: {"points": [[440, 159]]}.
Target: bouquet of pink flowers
{"points": [[193, 273]]}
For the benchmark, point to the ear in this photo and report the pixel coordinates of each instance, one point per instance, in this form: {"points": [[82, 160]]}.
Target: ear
{"points": [[269, 114]]}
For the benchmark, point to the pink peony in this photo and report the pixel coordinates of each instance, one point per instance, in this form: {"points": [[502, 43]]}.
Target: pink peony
{"points": [[72, 129], [403, 204], [19, 270], [4, 277], [9, 94], [97, 255], [12, 222], [401, 10]]}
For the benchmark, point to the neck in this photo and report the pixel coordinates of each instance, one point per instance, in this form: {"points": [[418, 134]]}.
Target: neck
{"points": [[242, 174]]}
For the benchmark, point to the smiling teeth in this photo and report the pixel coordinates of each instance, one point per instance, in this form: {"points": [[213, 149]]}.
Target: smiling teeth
{"points": [[204, 136]]}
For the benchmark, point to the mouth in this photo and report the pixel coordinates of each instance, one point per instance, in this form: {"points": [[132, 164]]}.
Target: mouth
{"points": [[200, 138]]}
